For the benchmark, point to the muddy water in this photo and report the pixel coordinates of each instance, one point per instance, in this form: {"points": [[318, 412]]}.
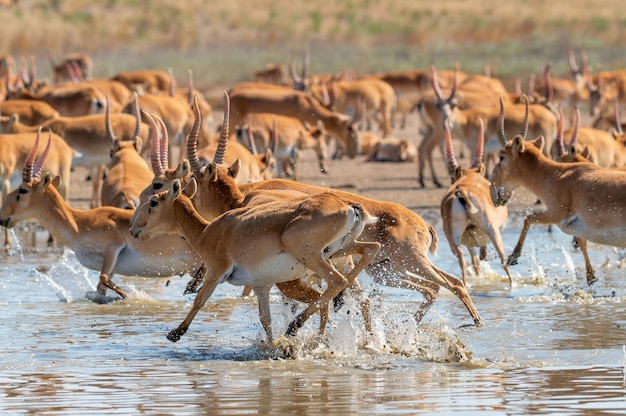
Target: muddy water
{"points": [[549, 345]]}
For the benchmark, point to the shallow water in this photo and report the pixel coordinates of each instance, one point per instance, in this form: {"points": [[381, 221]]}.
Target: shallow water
{"points": [[550, 345]]}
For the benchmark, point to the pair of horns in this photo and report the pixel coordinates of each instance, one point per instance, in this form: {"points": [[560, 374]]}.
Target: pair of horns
{"points": [[33, 168]]}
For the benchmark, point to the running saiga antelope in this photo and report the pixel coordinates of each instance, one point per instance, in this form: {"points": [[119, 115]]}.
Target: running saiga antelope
{"points": [[467, 211], [99, 236], [404, 236], [262, 245], [582, 199]]}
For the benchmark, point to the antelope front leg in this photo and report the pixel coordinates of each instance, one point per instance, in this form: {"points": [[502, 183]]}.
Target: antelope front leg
{"points": [[541, 218], [207, 289], [196, 281], [591, 275]]}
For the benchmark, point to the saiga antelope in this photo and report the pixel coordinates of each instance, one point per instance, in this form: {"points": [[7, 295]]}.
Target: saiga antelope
{"points": [[14, 149], [404, 236], [31, 112], [467, 211], [127, 174], [88, 136], [99, 237], [582, 199], [286, 136], [298, 104], [262, 245]]}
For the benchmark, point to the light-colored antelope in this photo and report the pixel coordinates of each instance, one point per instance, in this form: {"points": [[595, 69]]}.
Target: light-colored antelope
{"points": [[71, 66], [127, 174], [392, 149], [151, 81], [297, 104], [537, 119], [376, 97], [31, 112], [582, 199], [176, 114], [14, 149], [99, 237], [404, 236], [87, 135], [262, 245], [68, 99], [286, 137], [598, 146], [272, 74], [469, 216]]}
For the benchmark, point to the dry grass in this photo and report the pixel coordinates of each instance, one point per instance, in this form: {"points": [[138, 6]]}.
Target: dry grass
{"points": [[223, 41]]}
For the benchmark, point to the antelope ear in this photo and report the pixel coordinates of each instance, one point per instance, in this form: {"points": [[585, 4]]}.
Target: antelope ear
{"points": [[191, 188], [56, 181], [209, 172], [482, 169], [233, 170], [584, 153], [518, 145], [175, 188], [138, 144], [540, 142], [183, 168]]}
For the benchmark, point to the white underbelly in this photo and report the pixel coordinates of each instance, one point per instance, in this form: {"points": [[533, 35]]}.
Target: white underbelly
{"points": [[277, 269], [615, 236]]}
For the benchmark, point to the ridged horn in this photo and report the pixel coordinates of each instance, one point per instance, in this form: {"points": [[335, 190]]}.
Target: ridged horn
{"points": [[155, 143], [572, 141], [192, 139], [220, 152], [618, 122], [41, 160], [501, 133], [480, 145], [137, 116], [526, 121], [29, 162], [107, 120], [559, 143], [452, 163], [163, 143]]}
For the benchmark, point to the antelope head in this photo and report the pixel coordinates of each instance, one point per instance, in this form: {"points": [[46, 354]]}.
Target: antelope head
{"points": [[504, 178], [18, 204], [445, 104]]}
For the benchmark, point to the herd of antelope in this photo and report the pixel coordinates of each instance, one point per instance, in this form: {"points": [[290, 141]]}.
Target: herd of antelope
{"points": [[171, 197]]}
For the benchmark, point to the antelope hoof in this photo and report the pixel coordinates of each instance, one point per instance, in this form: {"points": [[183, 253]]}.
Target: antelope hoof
{"points": [[438, 185], [512, 260], [591, 279], [175, 335], [421, 182], [100, 298]]}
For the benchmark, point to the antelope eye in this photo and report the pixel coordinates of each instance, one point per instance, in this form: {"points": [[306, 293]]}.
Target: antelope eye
{"points": [[501, 158], [153, 203], [157, 185], [22, 191]]}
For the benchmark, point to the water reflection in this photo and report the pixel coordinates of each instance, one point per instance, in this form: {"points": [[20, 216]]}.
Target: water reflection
{"points": [[549, 345]]}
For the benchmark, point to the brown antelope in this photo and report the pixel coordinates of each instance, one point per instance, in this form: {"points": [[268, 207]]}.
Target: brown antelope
{"points": [[262, 245], [31, 112], [582, 199], [604, 88], [392, 149], [404, 236], [297, 104], [176, 114], [377, 96], [599, 146], [72, 65], [563, 92], [286, 136], [151, 81], [14, 149], [272, 74], [465, 123], [99, 237], [467, 211], [127, 174], [87, 135], [68, 99]]}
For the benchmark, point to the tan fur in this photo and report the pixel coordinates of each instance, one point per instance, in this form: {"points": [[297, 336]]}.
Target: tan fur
{"points": [[150, 81], [582, 199], [99, 237], [298, 104], [376, 96], [247, 245], [292, 136], [126, 175], [31, 112]]}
